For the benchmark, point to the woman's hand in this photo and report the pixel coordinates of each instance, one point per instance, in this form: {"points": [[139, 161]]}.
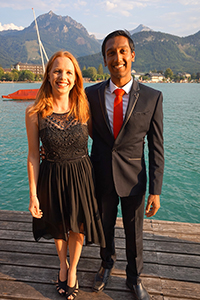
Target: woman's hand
{"points": [[34, 207]]}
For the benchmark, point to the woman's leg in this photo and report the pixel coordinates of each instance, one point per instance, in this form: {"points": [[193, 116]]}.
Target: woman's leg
{"points": [[75, 244], [61, 247]]}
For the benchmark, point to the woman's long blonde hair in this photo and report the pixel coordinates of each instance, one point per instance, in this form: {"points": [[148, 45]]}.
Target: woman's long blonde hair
{"points": [[78, 100]]}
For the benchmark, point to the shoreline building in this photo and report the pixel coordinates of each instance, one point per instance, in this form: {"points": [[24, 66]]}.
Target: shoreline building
{"points": [[36, 69]]}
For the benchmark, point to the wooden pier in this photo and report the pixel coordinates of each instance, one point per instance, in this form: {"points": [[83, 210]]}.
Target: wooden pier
{"points": [[171, 262]]}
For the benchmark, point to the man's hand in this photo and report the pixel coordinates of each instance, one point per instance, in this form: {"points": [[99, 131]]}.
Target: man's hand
{"points": [[153, 205]]}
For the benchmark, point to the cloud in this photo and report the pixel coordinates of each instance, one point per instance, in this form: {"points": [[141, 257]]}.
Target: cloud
{"points": [[124, 7], [110, 5], [42, 4], [184, 22], [189, 2], [10, 26], [82, 3], [28, 4], [79, 4]]}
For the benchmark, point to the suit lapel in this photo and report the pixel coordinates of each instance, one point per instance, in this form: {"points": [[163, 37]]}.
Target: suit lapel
{"points": [[133, 98], [101, 94]]}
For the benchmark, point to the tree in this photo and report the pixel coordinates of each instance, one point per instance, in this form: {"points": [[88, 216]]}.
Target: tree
{"points": [[8, 76], [1, 73], [169, 73], [177, 78], [145, 77], [92, 73], [15, 74], [100, 69], [182, 77], [26, 75], [39, 77], [106, 76], [100, 77], [85, 73], [193, 76]]}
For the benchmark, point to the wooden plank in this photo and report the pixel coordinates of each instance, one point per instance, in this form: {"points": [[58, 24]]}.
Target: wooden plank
{"points": [[49, 275], [25, 259], [35, 291], [27, 247], [44, 261], [15, 216], [177, 259], [179, 273], [166, 245], [149, 225], [16, 226], [119, 232], [180, 289], [176, 237], [169, 246], [10, 289], [169, 227]]}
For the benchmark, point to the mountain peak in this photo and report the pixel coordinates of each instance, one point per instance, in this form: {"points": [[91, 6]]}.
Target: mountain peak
{"points": [[140, 28], [50, 19], [50, 13]]}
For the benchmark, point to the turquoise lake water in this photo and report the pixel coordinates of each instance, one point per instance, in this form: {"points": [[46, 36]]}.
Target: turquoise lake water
{"points": [[180, 199]]}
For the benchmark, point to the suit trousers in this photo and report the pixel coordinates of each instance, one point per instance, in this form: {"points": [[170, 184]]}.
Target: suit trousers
{"points": [[133, 215]]}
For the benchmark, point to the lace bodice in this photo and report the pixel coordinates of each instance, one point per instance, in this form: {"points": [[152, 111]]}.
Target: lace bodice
{"points": [[63, 137]]}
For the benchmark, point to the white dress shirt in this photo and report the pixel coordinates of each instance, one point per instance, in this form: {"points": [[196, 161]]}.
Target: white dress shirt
{"points": [[110, 97]]}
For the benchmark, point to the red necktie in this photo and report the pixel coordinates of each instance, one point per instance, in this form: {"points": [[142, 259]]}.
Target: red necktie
{"points": [[118, 112]]}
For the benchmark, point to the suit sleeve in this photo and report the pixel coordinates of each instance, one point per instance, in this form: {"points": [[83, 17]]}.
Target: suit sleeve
{"points": [[156, 149]]}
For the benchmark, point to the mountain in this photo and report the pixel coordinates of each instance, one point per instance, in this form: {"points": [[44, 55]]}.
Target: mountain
{"points": [[157, 50], [56, 32]]}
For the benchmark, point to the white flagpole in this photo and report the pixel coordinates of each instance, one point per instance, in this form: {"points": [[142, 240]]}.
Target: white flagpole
{"points": [[40, 43]]}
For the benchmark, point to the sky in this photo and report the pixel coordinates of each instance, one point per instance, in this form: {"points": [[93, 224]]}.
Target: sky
{"points": [[100, 17]]}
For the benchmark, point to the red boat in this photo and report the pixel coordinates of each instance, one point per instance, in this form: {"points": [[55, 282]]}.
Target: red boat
{"points": [[22, 95]]}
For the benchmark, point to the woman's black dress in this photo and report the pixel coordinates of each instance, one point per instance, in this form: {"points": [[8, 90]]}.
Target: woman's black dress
{"points": [[65, 185]]}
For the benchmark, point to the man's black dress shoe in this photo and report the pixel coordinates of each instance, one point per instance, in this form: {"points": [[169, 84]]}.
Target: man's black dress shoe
{"points": [[138, 291], [101, 279]]}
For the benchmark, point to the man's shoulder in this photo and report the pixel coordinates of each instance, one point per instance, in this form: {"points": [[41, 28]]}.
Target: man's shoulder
{"points": [[94, 87], [148, 88]]}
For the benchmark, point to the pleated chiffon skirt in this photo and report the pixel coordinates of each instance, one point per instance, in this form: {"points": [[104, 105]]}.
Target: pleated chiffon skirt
{"points": [[67, 199]]}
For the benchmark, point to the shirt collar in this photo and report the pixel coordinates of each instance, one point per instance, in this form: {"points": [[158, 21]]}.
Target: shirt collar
{"points": [[126, 87]]}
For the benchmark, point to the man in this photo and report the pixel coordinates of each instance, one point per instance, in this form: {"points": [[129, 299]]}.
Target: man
{"points": [[118, 157]]}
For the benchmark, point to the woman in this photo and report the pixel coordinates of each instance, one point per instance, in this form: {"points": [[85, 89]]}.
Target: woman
{"points": [[62, 200]]}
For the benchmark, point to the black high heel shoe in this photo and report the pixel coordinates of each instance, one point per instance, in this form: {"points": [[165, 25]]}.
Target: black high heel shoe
{"points": [[61, 286], [72, 291]]}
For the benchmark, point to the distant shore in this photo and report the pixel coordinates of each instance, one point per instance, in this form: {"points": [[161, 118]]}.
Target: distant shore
{"points": [[97, 81], [85, 80]]}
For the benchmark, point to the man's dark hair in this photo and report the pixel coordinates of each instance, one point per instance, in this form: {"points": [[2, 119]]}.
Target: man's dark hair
{"points": [[113, 34]]}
